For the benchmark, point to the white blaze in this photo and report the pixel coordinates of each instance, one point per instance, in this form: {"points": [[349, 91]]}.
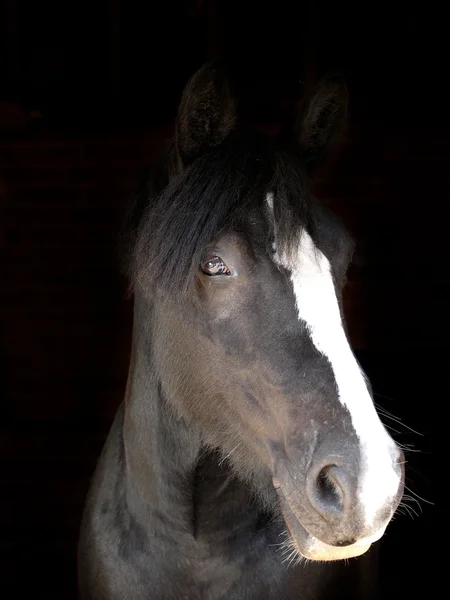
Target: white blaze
{"points": [[317, 306]]}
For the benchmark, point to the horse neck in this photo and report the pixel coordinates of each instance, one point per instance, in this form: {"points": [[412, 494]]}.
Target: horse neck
{"points": [[161, 449]]}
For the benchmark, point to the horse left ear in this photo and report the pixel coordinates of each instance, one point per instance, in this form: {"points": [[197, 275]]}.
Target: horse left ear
{"points": [[321, 119], [207, 112]]}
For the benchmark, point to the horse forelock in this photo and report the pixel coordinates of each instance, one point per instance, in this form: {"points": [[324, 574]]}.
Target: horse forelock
{"points": [[178, 216]]}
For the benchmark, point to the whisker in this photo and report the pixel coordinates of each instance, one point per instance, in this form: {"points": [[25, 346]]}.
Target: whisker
{"points": [[392, 429], [407, 497], [402, 424], [417, 496], [409, 510], [384, 396], [410, 468], [229, 454], [410, 448]]}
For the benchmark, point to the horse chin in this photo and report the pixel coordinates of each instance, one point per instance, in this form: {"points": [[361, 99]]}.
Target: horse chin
{"points": [[311, 547]]}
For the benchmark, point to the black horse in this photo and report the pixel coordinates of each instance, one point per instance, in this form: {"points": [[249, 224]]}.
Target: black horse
{"points": [[248, 441]]}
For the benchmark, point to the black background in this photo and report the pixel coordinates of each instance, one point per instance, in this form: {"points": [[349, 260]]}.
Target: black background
{"points": [[88, 93]]}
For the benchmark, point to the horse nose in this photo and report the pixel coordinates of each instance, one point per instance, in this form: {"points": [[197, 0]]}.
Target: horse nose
{"points": [[334, 491], [331, 490]]}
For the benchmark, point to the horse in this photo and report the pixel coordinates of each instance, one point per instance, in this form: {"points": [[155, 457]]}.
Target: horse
{"points": [[247, 460]]}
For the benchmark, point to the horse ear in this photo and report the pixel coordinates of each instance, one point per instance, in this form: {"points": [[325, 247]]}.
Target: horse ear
{"points": [[321, 119], [207, 112]]}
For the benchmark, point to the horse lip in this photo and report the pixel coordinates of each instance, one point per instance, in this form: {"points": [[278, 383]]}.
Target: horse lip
{"points": [[311, 547]]}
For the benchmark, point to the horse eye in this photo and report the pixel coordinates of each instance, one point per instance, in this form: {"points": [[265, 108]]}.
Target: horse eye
{"points": [[214, 265]]}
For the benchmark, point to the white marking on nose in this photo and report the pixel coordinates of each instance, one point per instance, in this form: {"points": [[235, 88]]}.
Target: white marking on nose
{"points": [[318, 307]]}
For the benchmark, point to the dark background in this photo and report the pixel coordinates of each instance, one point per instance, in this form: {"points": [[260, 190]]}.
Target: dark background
{"points": [[88, 93]]}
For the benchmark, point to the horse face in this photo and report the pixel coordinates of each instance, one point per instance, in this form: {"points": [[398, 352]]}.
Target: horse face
{"points": [[256, 355], [287, 388]]}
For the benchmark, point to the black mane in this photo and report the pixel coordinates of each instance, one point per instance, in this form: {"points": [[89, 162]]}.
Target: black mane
{"points": [[172, 220]]}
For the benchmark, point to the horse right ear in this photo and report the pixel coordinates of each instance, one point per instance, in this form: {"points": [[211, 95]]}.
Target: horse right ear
{"points": [[207, 112], [321, 120]]}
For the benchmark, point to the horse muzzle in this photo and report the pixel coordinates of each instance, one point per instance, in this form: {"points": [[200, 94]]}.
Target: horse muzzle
{"points": [[325, 515], [311, 547]]}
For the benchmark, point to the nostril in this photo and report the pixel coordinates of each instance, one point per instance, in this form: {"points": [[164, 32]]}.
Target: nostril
{"points": [[328, 489]]}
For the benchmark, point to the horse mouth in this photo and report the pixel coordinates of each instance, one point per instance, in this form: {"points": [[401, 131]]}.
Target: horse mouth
{"points": [[311, 547]]}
